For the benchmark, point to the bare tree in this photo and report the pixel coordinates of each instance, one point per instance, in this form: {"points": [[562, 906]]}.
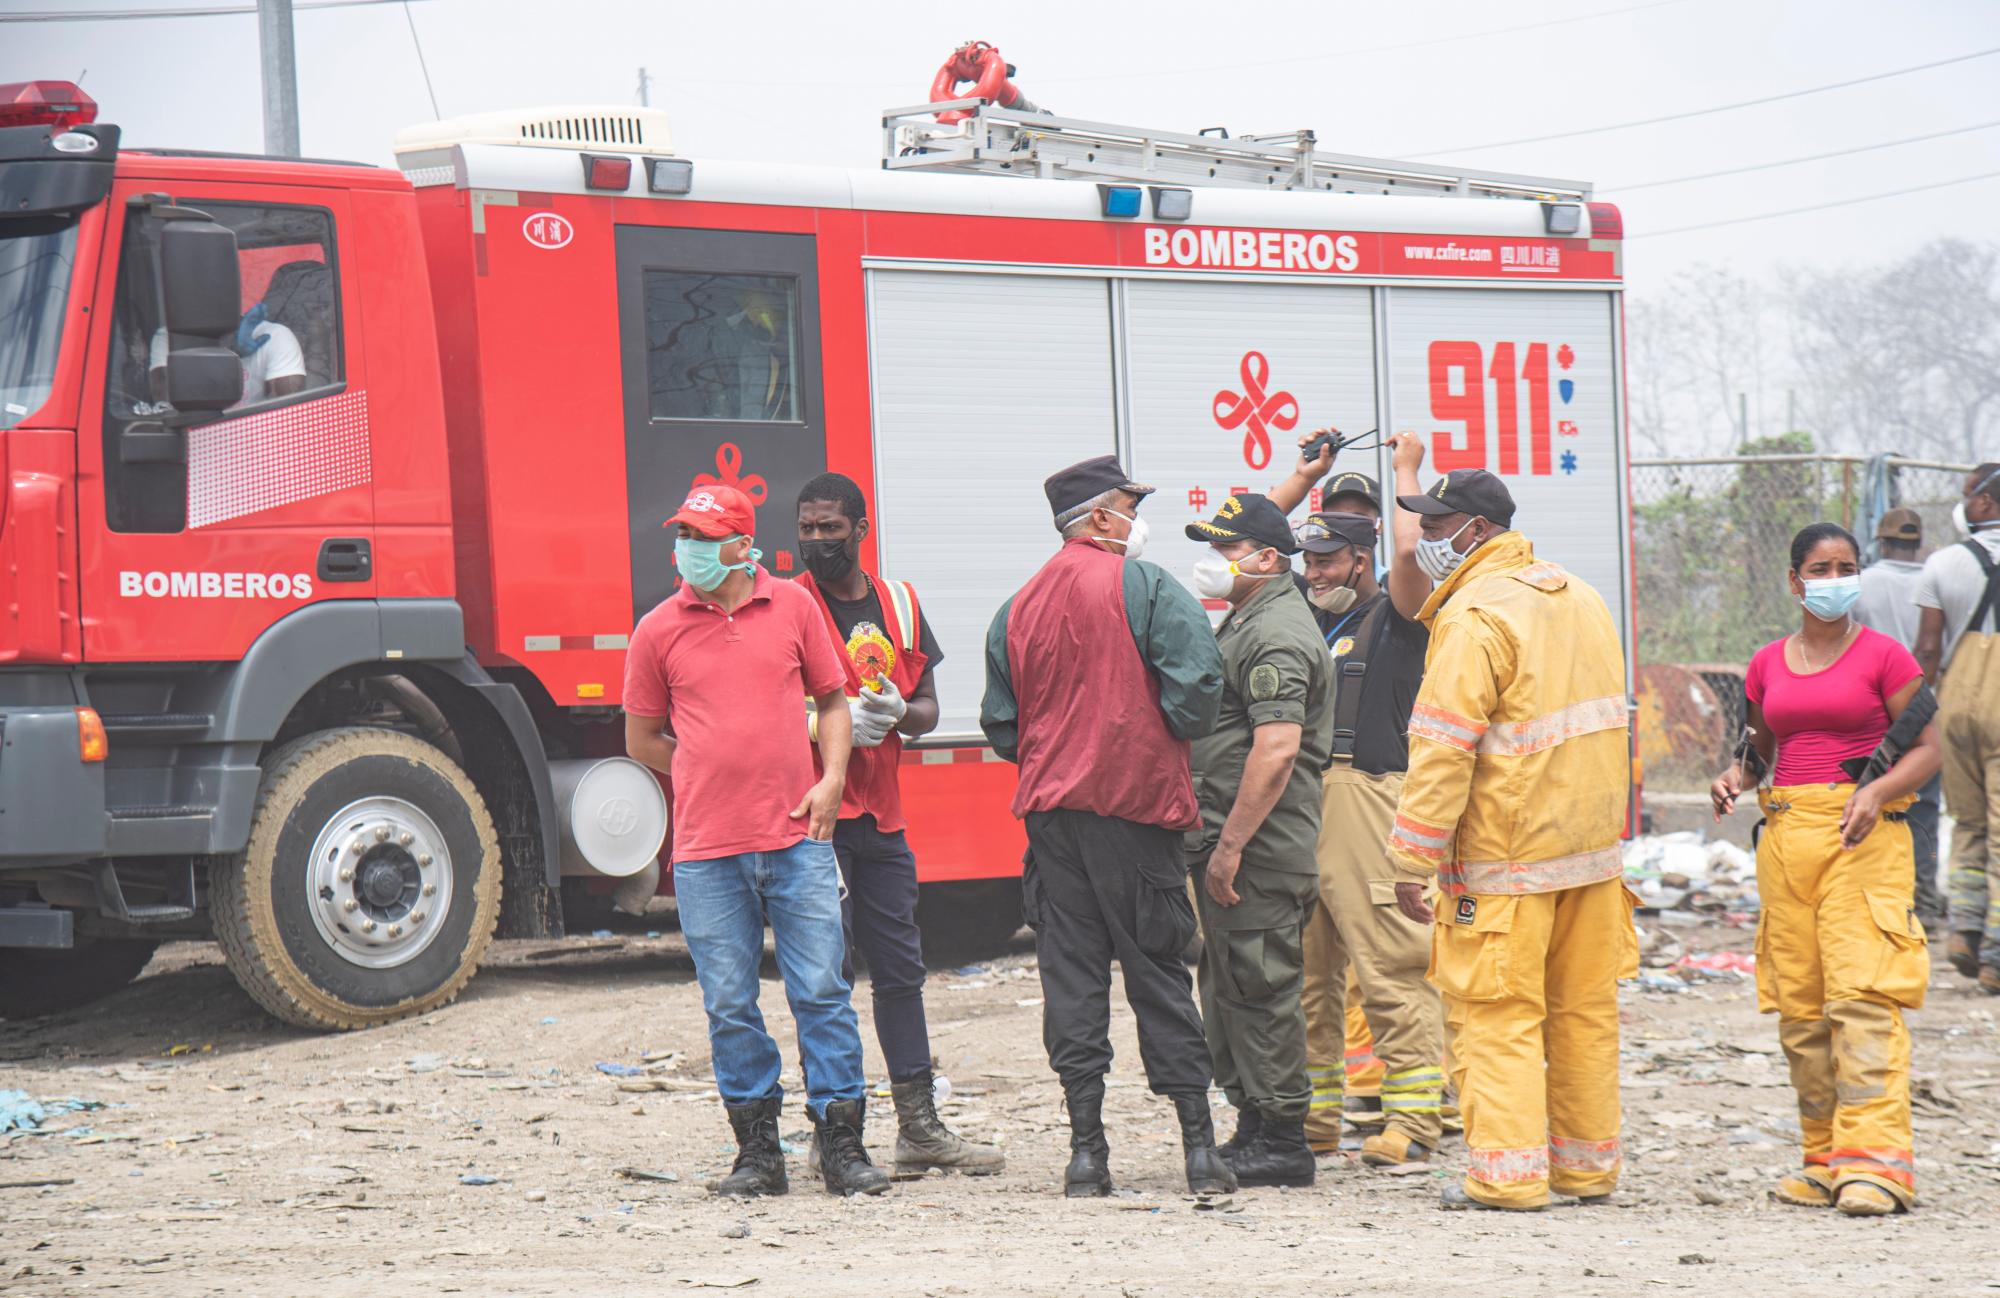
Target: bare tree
{"points": [[1906, 358], [1704, 338]]}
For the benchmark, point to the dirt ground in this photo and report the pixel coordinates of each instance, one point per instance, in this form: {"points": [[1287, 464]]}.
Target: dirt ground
{"points": [[479, 1150]]}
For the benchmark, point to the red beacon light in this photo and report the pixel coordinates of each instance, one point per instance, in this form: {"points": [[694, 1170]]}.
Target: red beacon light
{"points": [[61, 104]]}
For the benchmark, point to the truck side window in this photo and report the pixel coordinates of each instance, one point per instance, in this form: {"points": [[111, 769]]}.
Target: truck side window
{"points": [[289, 337], [722, 346]]}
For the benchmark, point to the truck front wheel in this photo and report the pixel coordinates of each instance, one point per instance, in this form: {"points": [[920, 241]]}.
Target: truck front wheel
{"points": [[370, 886], [34, 981]]}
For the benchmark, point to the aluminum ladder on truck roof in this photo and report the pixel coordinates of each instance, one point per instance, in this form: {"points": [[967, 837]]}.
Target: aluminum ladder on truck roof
{"points": [[996, 141]]}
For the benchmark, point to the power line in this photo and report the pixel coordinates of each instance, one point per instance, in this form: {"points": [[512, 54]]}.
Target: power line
{"points": [[1227, 67], [1810, 157], [185, 11], [1816, 207], [1371, 49], [1719, 108], [418, 41]]}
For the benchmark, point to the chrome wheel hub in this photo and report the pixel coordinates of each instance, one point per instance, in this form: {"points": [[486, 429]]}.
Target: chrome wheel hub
{"points": [[379, 882]]}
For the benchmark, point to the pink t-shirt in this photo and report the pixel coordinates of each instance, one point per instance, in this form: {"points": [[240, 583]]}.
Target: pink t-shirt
{"points": [[1826, 717], [733, 688]]}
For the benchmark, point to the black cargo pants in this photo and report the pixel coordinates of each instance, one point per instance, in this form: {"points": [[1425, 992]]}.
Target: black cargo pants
{"points": [[1095, 889]]}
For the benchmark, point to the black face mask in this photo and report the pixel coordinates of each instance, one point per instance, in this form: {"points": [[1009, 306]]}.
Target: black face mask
{"points": [[827, 561]]}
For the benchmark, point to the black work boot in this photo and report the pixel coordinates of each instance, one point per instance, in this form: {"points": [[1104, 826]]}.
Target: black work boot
{"points": [[843, 1159], [1206, 1172], [760, 1163], [1962, 949], [1279, 1156], [924, 1142], [1248, 1123], [1088, 1175]]}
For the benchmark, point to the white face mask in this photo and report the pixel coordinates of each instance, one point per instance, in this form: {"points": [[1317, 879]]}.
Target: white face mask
{"points": [[1437, 558], [1337, 599], [1133, 541], [1966, 526], [1215, 576]]}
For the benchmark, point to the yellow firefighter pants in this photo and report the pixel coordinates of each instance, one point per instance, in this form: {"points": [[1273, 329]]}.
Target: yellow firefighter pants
{"points": [[1969, 721], [1840, 953], [1361, 1067], [1355, 926], [1530, 985], [1350, 1091]]}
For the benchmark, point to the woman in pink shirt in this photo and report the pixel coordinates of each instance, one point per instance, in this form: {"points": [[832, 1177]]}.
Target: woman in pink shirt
{"points": [[1840, 952]]}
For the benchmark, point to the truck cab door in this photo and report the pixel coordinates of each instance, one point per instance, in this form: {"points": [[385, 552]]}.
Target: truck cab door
{"points": [[198, 531]]}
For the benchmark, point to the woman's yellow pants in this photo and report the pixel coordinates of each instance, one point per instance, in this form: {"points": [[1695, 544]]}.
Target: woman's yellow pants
{"points": [[1840, 955]]}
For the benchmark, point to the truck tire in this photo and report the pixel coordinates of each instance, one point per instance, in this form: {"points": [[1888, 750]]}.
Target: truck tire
{"points": [[34, 982], [968, 920], [370, 886]]}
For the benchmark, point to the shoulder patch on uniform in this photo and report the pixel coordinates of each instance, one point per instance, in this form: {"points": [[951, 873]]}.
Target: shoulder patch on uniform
{"points": [[1468, 908], [1264, 683]]}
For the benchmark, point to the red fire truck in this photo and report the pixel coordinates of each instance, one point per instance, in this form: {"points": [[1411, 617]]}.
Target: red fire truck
{"points": [[332, 491]]}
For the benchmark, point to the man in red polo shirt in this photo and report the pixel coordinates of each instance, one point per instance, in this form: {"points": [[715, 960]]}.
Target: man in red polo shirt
{"points": [[715, 686]]}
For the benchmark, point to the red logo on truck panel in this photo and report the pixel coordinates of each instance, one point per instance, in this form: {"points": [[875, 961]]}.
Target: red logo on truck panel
{"points": [[1263, 412], [729, 463], [547, 230]]}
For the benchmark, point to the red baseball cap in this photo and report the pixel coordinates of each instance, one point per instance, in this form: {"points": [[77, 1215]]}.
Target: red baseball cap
{"points": [[717, 512]]}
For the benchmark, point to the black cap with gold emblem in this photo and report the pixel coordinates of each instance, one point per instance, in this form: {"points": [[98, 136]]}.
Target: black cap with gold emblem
{"points": [[1248, 517], [1466, 491], [1358, 489]]}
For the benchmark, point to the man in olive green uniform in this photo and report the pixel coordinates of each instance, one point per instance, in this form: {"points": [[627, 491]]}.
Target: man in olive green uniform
{"points": [[1257, 777]]}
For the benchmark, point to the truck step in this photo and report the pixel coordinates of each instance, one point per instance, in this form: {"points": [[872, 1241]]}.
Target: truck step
{"points": [[158, 723], [160, 914], [159, 813]]}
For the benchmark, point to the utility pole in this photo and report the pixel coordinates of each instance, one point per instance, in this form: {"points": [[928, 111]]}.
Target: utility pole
{"points": [[645, 82], [280, 76]]}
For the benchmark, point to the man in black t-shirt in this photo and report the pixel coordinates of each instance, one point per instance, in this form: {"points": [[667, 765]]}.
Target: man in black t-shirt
{"points": [[1378, 648], [891, 658]]}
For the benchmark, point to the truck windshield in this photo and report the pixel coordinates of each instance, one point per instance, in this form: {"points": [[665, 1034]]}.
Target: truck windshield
{"points": [[36, 254]]}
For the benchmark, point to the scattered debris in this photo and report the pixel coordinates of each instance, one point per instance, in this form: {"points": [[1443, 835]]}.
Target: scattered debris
{"points": [[1726, 966], [478, 1178], [23, 1112], [619, 1070]]}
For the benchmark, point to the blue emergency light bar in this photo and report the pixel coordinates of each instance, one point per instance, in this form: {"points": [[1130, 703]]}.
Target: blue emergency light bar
{"points": [[1119, 200]]}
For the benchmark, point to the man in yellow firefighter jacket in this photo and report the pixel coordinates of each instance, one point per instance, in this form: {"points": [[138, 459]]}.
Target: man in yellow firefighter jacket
{"points": [[1515, 800]]}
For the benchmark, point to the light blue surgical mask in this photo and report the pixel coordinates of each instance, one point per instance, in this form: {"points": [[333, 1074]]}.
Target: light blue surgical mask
{"points": [[700, 561], [1830, 598]]}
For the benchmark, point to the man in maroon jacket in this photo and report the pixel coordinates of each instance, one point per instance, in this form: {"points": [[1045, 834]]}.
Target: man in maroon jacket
{"points": [[1098, 673]]}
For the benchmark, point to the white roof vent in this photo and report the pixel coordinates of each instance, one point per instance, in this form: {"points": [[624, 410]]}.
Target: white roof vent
{"points": [[615, 129]]}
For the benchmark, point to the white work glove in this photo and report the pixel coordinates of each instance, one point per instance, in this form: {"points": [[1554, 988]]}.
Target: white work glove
{"points": [[870, 727], [885, 699]]}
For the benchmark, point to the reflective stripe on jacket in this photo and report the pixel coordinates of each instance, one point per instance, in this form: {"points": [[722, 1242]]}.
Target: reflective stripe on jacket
{"points": [[1521, 781]]}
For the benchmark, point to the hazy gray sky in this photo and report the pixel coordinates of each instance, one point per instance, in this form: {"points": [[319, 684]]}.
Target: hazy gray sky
{"points": [[785, 80]]}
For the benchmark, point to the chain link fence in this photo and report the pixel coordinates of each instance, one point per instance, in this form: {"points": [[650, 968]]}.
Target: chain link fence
{"points": [[1712, 541]]}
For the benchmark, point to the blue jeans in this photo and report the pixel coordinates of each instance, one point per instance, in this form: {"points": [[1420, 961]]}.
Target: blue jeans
{"points": [[724, 903]]}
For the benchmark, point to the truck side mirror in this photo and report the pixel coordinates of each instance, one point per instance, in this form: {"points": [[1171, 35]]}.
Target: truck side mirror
{"points": [[201, 289], [204, 378], [201, 294]]}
